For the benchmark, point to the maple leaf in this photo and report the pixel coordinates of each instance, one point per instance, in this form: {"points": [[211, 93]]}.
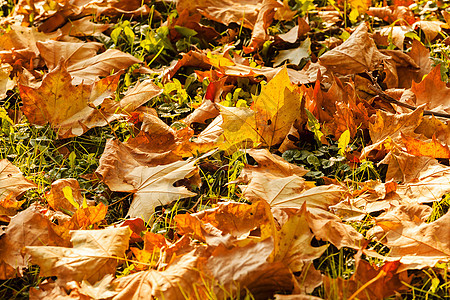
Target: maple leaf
{"points": [[5, 82], [13, 184], [83, 27], [90, 69], [28, 228], [94, 254], [294, 242], [49, 102], [263, 21], [431, 126], [423, 148], [270, 118], [432, 92], [175, 282], [250, 267], [356, 55], [65, 195], [228, 223], [225, 11], [415, 243], [388, 128], [369, 282], [53, 51], [20, 42], [153, 186]]}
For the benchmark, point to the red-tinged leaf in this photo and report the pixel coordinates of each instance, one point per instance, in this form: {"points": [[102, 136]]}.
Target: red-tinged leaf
{"points": [[426, 148]]}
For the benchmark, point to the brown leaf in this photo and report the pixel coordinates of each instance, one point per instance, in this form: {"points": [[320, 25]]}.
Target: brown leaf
{"points": [[153, 186], [177, 281], [25, 38], [432, 92], [430, 28], [295, 32], [89, 70], [294, 242], [138, 95], [13, 184], [421, 56], [225, 11], [83, 27], [391, 14], [356, 55], [5, 82], [94, 254], [27, 228], [388, 128], [380, 282], [269, 119], [270, 165], [233, 221], [431, 126], [413, 242], [53, 51], [396, 33], [263, 21], [248, 267]]}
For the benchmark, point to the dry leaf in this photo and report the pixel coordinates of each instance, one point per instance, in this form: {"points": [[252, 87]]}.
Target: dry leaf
{"points": [[13, 184], [89, 70], [356, 55], [54, 51], [27, 228], [94, 254], [49, 102], [175, 282], [413, 242], [424, 148]]}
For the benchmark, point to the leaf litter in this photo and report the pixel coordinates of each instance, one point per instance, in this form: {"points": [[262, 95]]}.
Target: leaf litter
{"points": [[216, 149]]}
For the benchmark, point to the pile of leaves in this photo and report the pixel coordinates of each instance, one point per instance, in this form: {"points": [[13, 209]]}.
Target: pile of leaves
{"points": [[223, 149]]}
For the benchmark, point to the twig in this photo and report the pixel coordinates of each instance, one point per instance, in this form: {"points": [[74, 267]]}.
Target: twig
{"points": [[377, 89], [390, 99]]}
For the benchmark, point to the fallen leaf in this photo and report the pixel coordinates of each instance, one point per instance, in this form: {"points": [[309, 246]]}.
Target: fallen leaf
{"points": [[356, 55], [58, 200], [390, 126], [294, 56], [94, 254], [413, 242], [430, 28], [48, 102], [263, 21], [5, 82], [13, 183], [28, 228], [248, 267], [432, 92], [83, 27], [270, 118], [89, 70], [424, 148], [181, 278], [153, 186], [225, 11], [294, 242], [375, 282], [53, 51]]}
